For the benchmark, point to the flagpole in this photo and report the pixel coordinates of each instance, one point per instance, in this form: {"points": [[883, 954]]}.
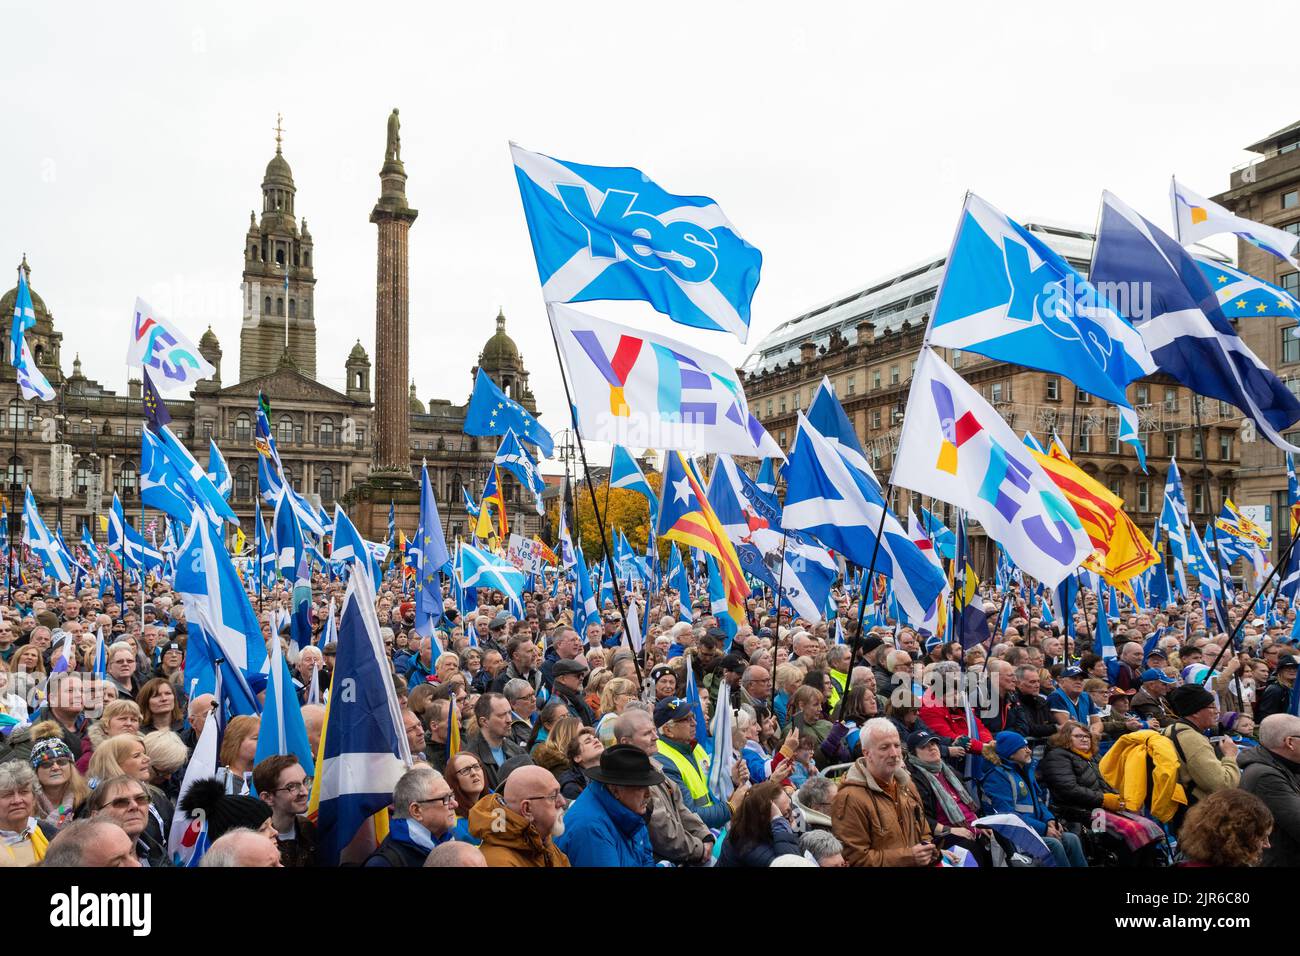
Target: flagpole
{"points": [[1242, 620], [862, 591], [1214, 538], [591, 491], [13, 470]]}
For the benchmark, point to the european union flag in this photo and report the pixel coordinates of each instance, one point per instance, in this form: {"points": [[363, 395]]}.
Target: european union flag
{"points": [[156, 414], [604, 232], [433, 555], [1242, 296], [493, 412]]}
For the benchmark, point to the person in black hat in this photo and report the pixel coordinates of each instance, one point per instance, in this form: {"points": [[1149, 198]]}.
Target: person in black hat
{"points": [[1201, 769], [1276, 695], [224, 811], [606, 825], [568, 678], [664, 680], [949, 806]]}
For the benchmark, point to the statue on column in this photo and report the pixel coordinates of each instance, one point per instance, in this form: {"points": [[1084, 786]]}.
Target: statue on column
{"points": [[394, 151]]}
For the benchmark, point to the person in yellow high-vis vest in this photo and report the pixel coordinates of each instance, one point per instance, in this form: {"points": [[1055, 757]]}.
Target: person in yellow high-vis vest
{"points": [[684, 762]]}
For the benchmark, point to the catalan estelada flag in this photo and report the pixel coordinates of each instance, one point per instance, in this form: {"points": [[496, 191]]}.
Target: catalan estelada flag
{"points": [[1122, 551], [686, 516], [492, 496]]}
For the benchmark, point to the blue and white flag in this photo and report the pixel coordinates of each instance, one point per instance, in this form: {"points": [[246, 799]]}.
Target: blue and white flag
{"points": [[31, 379], [585, 610], [1181, 321], [766, 479], [840, 505], [827, 417], [802, 570], [514, 458], [37, 537], [282, 730], [1242, 296], [88, 544], [477, 568], [603, 232], [348, 546], [433, 555], [218, 471], [270, 476], [679, 582], [1007, 295], [624, 472], [493, 412], [1174, 492], [300, 605], [288, 536], [158, 345], [363, 747]]}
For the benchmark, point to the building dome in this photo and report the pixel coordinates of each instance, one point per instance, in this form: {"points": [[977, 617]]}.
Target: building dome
{"points": [[417, 406], [278, 171], [500, 350], [209, 341], [358, 354], [8, 300]]}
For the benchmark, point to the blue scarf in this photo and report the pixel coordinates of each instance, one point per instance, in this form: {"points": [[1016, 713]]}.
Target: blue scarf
{"points": [[406, 830]]}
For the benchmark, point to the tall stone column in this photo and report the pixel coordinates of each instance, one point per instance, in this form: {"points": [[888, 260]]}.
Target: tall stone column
{"points": [[392, 448]]}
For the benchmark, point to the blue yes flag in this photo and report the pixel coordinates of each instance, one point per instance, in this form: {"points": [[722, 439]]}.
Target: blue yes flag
{"points": [[605, 232]]}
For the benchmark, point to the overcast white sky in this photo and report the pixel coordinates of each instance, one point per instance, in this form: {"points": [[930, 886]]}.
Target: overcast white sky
{"points": [[839, 138]]}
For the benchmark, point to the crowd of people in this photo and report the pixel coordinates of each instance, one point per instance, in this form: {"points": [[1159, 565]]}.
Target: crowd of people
{"points": [[887, 746]]}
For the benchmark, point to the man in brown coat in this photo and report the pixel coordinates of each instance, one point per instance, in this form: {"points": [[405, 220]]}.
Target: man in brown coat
{"points": [[878, 814], [516, 826]]}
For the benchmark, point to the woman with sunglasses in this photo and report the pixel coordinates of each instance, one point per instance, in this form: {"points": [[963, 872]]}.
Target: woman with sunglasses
{"points": [[464, 774], [60, 788]]}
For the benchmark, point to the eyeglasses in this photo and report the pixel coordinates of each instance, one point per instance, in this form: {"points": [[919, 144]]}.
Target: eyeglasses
{"points": [[445, 799], [467, 770], [553, 797], [124, 803], [53, 762], [301, 786]]}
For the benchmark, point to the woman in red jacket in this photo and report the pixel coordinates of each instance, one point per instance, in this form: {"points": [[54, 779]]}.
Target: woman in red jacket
{"points": [[944, 714]]}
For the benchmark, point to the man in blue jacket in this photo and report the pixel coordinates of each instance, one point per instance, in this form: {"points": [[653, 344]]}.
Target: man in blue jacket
{"points": [[1012, 787], [606, 825]]}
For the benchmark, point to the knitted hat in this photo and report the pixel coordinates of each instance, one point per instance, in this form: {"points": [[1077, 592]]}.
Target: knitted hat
{"points": [[871, 643], [50, 748], [1008, 742], [1188, 699], [222, 810]]}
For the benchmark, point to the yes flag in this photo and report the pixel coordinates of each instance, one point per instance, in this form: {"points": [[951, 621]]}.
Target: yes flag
{"points": [[493, 412], [1188, 335], [649, 391], [955, 447], [624, 472], [604, 232], [1196, 217], [840, 505], [1008, 295], [158, 346]]}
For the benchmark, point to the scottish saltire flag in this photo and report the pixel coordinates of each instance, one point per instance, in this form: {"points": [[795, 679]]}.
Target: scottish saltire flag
{"points": [[193, 477], [627, 561], [1103, 645], [945, 541], [270, 472], [585, 609], [300, 605], [766, 479], [288, 535], [827, 417], [433, 555], [514, 458], [185, 831], [604, 232], [722, 749], [645, 390], [685, 515], [165, 487], [1183, 325], [1196, 217], [38, 538], [282, 730], [1242, 296], [678, 581], [215, 598], [87, 543], [926, 546], [218, 471], [493, 412], [1200, 563], [624, 472], [478, 568], [1174, 493], [956, 448], [471, 509], [266, 567], [158, 346], [1238, 525], [363, 748], [781, 558], [348, 548], [1009, 296], [31, 379], [1032, 443], [841, 506]]}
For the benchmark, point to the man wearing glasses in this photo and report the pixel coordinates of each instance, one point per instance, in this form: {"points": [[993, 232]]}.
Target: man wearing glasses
{"points": [[1271, 772], [424, 815], [284, 786], [123, 800]]}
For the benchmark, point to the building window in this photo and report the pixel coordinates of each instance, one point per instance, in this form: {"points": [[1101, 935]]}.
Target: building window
{"points": [[1085, 436], [243, 483], [1225, 446], [1116, 486], [1290, 282], [1171, 444], [279, 300], [207, 428], [1144, 495], [769, 408], [1198, 498], [1290, 345], [361, 440], [875, 418], [1290, 200], [782, 404], [1142, 394], [798, 397], [1083, 397], [82, 479], [17, 476], [126, 479], [1053, 389], [1171, 399], [17, 415], [1196, 444], [956, 358], [851, 383], [783, 444], [325, 484], [327, 434], [243, 429], [266, 306], [1112, 442], [293, 308], [875, 378], [995, 392], [284, 431], [893, 375]]}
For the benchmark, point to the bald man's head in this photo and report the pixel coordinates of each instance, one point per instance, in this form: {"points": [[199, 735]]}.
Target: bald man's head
{"points": [[455, 853], [534, 794]]}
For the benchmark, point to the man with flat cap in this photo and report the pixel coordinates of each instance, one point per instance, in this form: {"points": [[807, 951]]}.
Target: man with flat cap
{"points": [[1201, 769]]}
